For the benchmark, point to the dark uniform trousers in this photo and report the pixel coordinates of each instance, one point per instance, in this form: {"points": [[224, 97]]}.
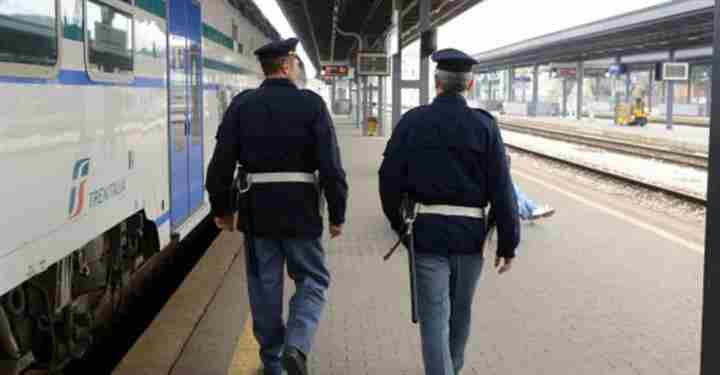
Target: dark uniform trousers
{"points": [[279, 128]]}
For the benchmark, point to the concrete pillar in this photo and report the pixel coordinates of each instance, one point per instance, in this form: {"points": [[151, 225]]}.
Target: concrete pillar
{"points": [[536, 91], [424, 61], [580, 78], [669, 98]]}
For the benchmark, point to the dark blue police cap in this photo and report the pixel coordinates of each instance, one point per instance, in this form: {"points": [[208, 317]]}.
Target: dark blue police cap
{"points": [[452, 60], [277, 49]]}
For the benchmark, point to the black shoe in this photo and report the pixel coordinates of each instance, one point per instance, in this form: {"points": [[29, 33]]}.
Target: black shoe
{"points": [[294, 362]]}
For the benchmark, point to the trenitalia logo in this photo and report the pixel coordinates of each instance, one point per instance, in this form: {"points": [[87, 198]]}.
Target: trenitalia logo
{"points": [[77, 193]]}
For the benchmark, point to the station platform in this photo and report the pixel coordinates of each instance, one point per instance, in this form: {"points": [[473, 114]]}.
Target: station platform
{"points": [[605, 286], [686, 138]]}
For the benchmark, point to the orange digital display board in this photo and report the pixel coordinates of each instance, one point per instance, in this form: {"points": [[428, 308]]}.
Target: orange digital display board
{"points": [[335, 70]]}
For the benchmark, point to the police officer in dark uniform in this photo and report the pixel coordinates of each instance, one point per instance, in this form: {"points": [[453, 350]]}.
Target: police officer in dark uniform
{"points": [[450, 160], [280, 136]]}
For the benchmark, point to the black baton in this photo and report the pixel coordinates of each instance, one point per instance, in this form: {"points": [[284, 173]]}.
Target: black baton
{"points": [[407, 211]]}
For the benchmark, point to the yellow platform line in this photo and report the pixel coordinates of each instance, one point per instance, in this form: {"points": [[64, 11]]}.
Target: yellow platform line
{"points": [[246, 359]]}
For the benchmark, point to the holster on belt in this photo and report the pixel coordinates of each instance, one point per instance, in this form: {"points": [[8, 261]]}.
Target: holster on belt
{"points": [[241, 199]]}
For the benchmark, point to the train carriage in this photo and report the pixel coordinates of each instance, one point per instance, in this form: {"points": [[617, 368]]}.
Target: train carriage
{"points": [[109, 111]]}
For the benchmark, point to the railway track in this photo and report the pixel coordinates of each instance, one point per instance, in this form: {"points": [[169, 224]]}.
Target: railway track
{"points": [[682, 195], [656, 152]]}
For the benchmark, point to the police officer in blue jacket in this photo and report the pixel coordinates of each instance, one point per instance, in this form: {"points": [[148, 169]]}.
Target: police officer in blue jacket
{"points": [[450, 159], [281, 136]]}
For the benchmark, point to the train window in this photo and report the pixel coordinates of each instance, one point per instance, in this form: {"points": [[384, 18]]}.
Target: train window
{"points": [[28, 32], [109, 39]]}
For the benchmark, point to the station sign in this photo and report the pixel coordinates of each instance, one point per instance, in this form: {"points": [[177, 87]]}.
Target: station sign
{"points": [[672, 71], [373, 64], [563, 72], [617, 69], [335, 70]]}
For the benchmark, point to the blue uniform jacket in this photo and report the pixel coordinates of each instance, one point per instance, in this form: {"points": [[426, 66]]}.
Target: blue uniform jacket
{"points": [[279, 128], [448, 153]]}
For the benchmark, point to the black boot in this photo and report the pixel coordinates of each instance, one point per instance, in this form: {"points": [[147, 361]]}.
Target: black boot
{"points": [[294, 362]]}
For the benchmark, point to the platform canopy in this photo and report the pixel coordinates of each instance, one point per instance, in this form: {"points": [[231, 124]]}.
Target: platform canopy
{"points": [[675, 25], [315, 23], [251, 12]]}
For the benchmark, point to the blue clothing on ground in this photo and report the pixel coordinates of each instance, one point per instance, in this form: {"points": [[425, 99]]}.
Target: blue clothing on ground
{"points": [[446, 286], [306, 266], [526, 206]]}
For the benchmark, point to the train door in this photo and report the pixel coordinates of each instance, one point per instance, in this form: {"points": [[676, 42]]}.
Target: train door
{"points": [[185, 109]]}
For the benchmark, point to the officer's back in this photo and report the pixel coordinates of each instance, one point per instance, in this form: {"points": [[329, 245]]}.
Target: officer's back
{"points": [[453, 155], [280, 128], [280, 137]]}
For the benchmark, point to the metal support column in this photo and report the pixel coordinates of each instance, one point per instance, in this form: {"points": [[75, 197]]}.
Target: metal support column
{"points": [[489, 90], [689, 87], [511, 80], [708, 96], [397, 66], [358, 103], [709, 360], [332, 97], [651, 88], [424, 61], [366, 103], [565, 97], [536, 90], [669, 99], [628, 84], [396, 89], [580, 78], [381, 106]]}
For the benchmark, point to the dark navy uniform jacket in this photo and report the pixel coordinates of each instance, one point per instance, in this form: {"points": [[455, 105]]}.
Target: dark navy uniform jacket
{"points": [[449, 153], [279, 128]]}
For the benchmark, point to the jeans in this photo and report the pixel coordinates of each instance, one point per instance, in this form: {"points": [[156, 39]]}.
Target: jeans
{"points": [[306, 266], [446, 286], [525, 205]]}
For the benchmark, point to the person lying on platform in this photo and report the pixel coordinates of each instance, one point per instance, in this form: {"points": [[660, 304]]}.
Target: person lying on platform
{"points": [[527, 208]]}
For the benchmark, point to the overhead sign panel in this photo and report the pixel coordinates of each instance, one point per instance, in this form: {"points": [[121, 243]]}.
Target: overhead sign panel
{"points": [[373, 64], [674, 71], [335, 70], [617, 69]]}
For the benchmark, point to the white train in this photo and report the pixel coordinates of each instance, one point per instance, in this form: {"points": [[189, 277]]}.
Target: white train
{"points": [[108, 112]]}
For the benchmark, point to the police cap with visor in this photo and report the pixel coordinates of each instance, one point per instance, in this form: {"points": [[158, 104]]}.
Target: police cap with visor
{"points": [[453, 61], [277, 49]]}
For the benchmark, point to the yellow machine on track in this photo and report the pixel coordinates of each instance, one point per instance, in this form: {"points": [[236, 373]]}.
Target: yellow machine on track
{"points": [[631, 114]]}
